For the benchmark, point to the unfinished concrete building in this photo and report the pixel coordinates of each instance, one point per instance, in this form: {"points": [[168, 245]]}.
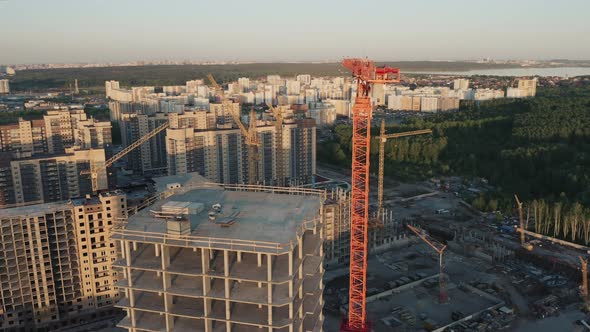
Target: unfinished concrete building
{"points": [[224, 258], [384, 233]]}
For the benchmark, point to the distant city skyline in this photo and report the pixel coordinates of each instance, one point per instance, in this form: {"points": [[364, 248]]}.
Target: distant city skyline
{"points": [[67, 31]]}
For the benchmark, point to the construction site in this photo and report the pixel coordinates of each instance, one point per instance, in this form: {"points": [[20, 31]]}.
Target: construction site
{"points": [[404, 257], [452, 269], [449, 266]]}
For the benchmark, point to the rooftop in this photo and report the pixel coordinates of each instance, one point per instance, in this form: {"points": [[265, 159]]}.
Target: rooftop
{"points": [[263, 219], [34, 210]]}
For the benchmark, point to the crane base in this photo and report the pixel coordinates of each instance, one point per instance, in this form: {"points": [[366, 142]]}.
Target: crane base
{"points": [[344, 327]]}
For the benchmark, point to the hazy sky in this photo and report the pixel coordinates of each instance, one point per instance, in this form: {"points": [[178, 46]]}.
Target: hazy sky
{"points": [[47, 31]]}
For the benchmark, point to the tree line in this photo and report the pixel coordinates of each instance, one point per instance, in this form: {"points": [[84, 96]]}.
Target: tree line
{"points": [[538, 148]]}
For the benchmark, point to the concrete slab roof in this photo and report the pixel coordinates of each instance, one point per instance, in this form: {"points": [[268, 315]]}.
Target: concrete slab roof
{"points": [[34, 210], [260, 217]]}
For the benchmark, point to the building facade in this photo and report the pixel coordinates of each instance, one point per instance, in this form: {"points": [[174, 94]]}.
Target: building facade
{"points": [[50, 178], [4, 87], [195, 142], [57, 131], [56, 263]]}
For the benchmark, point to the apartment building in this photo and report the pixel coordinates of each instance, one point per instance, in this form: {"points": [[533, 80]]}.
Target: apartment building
{"points": [[525, 88], [57, 131], [198, 261], [4, 87], [220, 154], [49, 178], [150, 157], [56, 263], [24, 138]]}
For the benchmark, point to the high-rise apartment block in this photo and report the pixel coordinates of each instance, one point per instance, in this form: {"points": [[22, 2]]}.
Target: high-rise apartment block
{"points": [[221, 155], [524, 89], [56, 263], [204, 138], [56, 132], [461, 84], [41, 160], [150, 157], [49, 178], [233, 258], [4, 87]]}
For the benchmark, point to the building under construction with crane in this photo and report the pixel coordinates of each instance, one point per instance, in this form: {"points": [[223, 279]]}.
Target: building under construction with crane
{"points": [[221, 153], [224, 258], [276, 147]]}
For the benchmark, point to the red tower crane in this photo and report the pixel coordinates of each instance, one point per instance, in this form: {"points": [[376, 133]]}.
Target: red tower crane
{"points": [[366, 74]]}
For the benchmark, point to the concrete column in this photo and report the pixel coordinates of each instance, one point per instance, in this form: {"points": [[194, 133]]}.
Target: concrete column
{"points": [[205, 260], [225, 263], [259, 259], [239, 256], [169, 322], [269, 276], [122, 246], [132, 317], [165, 257], [270, 318], [205, 263], [134, 245], [127, 254], [157, 250], [290, 263], [168, 304], [226, 287]]}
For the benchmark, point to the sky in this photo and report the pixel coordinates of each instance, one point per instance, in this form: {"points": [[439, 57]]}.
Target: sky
{"points": [[98, 31]]}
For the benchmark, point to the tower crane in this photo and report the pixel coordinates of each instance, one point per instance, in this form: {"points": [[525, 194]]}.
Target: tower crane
{"points": [[584, 263], [251, 136], [366, 74], [440, 249], [94, 170], [382, 140], [280, 164]]}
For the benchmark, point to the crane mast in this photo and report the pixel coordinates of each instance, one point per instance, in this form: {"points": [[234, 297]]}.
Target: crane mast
{"points": [[365, 73], [382, 140]]}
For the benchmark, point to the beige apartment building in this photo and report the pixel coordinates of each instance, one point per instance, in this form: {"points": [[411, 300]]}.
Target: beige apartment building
{"points": [[56, 263]]}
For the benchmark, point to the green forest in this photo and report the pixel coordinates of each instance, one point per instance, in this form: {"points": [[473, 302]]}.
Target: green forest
{"points": [[538, 148]]}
